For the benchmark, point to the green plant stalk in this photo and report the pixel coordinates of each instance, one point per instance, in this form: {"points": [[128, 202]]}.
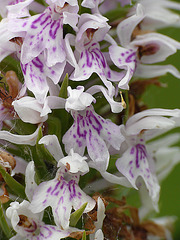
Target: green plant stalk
{"points": [[4, 226], [127, 107], [84, 235]]}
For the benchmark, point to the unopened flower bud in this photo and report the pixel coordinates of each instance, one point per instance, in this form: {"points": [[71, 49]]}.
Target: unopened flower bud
{"points": [[7, 161]]}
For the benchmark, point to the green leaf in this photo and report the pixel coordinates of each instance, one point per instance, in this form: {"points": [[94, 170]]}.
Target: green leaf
{"points": [[44, 153], [54, 126], [84, 235], [38, 158], [16, 187], [4, 226], [75, 216], [64, 85]]}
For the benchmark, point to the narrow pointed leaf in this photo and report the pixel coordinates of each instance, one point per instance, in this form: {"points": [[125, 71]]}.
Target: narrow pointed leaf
{"points": [[38, 158], [63, 91], [84, 235], [75, 216], [44, 153], [4, 226]]}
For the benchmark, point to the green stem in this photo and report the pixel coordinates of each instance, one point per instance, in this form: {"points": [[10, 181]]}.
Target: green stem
{"points": [[127, 107], [80, 7], [4, 226]]}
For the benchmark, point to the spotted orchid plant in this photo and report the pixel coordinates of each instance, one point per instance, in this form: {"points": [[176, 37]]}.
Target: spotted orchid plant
{"points": [[72, 122]]}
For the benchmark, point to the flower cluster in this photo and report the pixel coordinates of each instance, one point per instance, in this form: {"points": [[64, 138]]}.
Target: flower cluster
{"points": [[67, 110]]}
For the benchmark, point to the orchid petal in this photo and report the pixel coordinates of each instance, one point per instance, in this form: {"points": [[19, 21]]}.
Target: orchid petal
{"points": [[36, 72], [99, 235], [166, 141], [124, 59], [29, 110], [36, 228], [97, 150], [35, 78], [147, 204], [71, 19], [151, 71], [116, 179], [116, 107], [20, 139], [37, 40], [152, 112], [75, 163], [159, 16], [61, 195], [93, 60], [55, 102], [61, 3], [160, 45], [92, 21], [30, 182], [91, 3], [19, 10], [135, 163], [91, 130], [52, 144], [99, 223], [166, 160], [78, 99], [147, 123], [127, 26]]}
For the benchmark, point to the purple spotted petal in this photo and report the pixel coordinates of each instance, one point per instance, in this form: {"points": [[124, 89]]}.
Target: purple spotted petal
{"points": [[42, 33], [51, 232], [124, 59], [136, 162], [92, 60], [35, 78], [35, 73], [97, 150], [62, 195], [46, 232], [91, 130], [36, 230]]}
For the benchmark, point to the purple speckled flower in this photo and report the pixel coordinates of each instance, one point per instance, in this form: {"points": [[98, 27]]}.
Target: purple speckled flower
{"points": [[136, 162], [44, 33], [61, 193], [143, 49], [91, 130], [88, 57], [30, 226], [36, 73]]}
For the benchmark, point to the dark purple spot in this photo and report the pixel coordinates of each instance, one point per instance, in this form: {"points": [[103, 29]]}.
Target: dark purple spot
{"points": [[54, 28], [49, 189], [131, 58]]}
